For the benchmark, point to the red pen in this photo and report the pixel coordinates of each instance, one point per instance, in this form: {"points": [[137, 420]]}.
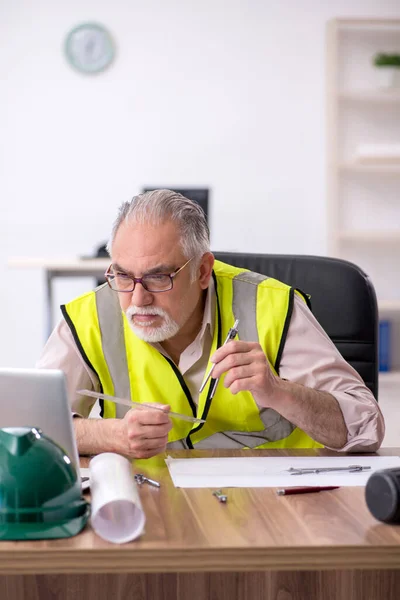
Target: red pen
{"points": [[305, 490]]}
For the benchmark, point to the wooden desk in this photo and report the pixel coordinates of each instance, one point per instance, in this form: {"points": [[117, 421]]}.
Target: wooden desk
{"points": [[54, 268], [257, 546]]}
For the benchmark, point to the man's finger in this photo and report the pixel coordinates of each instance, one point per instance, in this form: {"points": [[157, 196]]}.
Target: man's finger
{"points": [[154, 443], [150, 431], [232, 361], [241, 385], [231, 348], [153, 446], [147, 416], [239, 372], [164, 407]]}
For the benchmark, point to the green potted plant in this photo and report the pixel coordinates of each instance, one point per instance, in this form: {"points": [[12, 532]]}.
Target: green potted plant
{"points": [[388, 69]]}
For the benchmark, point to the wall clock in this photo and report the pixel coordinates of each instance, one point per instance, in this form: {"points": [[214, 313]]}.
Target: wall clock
{"points": [[89, 48]]}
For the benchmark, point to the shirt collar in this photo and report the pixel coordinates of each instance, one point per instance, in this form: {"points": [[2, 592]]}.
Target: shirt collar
{"points": [[209, 310]]}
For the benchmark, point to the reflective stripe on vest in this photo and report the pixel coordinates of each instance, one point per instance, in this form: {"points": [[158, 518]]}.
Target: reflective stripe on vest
{"points": [[113, 343], [244, 307]]}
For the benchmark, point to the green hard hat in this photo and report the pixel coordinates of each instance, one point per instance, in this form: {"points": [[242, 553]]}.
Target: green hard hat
{"points": [[40, 491]]}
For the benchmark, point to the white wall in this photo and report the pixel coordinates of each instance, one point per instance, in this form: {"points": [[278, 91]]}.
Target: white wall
{"points": [[203, 93]]}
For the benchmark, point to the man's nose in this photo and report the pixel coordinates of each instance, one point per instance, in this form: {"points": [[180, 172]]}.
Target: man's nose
{"points": [[140, 296]]}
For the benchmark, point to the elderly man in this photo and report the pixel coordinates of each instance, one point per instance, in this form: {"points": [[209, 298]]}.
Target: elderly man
{"points": [[154, 329]]}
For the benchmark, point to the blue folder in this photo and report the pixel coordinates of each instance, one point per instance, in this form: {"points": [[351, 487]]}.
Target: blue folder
{"points": [[385, 345]]}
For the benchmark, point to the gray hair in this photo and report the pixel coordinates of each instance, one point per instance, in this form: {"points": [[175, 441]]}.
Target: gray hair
{"points": [[159, 206]]}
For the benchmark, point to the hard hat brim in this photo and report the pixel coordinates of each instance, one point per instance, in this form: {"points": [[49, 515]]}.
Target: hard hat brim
{"points": [[45, 531]]}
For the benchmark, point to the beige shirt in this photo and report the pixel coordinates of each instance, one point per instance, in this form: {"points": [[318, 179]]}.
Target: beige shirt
{"points": [[309, 358]]}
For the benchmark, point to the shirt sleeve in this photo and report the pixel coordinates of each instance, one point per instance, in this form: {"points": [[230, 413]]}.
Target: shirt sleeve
{"points": [[61, 352], [310, 358]]}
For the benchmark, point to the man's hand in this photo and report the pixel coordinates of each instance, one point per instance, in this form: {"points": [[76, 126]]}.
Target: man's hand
{"points": [[247, 369], [142, 433], [316, 412], [145, 431]]}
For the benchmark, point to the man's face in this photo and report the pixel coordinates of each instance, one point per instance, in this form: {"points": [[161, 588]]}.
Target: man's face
{"points": [[143, 249]]}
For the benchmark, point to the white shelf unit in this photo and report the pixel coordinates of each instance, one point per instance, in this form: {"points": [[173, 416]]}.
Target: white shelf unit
{"points": [[378, 168], [387, 306], [376, 96], [391, 377], [363, 197], [370, 236]]}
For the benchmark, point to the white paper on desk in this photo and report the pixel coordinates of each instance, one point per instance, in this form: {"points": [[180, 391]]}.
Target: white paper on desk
{"points": [[271, 471]]}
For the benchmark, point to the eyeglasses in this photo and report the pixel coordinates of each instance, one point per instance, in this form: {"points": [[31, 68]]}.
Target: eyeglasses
{"points": [[159, 282]]}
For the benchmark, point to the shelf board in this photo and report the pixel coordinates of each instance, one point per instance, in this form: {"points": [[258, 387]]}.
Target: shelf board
{"points": [[379, 236], [368, 25], [375, 96], [389, 376], [389, 305], [356, 167]]}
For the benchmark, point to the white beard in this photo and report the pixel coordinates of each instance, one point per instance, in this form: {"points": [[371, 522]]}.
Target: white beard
{"points": [[146, 331]]}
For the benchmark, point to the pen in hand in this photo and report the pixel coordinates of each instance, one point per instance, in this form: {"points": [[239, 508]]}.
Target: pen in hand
{"points": [[305, 490], [232, 333]]}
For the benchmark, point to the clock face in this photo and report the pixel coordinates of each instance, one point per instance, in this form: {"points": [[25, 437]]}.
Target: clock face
{"points": [[89, 48]]}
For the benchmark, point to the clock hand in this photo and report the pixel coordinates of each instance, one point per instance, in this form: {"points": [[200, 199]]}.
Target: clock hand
{"points": [[89, 46]]}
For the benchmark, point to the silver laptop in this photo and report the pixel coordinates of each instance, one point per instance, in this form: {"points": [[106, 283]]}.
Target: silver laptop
{"points": [[38, 398]]}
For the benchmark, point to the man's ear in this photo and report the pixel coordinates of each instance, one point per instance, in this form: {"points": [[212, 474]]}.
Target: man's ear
{"points": [[205, 269]]}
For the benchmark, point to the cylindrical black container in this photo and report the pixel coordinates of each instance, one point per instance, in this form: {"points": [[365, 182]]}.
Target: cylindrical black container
{"points": [[382, 495]]}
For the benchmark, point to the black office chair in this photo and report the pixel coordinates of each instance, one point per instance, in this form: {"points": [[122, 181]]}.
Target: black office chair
{"points": [[342, 297]]}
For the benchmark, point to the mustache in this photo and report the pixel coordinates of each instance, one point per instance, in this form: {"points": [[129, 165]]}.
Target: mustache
{"points": [[145, 310]]}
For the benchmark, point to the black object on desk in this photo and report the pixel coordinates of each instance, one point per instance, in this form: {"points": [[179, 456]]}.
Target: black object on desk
{"points": [[382, 495]]}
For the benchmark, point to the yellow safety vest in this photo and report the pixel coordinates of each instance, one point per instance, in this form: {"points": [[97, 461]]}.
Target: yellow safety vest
{"points": [[129, 367]]}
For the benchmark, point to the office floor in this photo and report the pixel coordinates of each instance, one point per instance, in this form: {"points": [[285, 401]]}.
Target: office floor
{"points": [[389, 403]]}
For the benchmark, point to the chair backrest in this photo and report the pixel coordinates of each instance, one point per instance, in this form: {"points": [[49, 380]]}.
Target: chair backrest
{"points": [[342, 297]]}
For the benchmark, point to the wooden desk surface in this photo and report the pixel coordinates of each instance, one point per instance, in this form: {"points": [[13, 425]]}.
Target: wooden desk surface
{"points": [[189, 530]]}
